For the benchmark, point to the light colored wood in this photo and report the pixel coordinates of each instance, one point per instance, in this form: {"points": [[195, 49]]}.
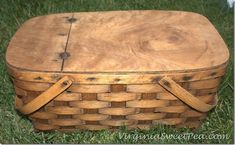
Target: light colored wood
{"points": [[118, 41], [70, 109], [114, 115], [191, 113], [87, 104], [31, 86], [170, 121], [207, 98], [46, 96], [43, 115], [20, 91], [89, 88], [117, 111], [68, 97], [205, 84], [134, 68], [185, 96], [146, 116], [76, 88], [144, 88], [137, 41], [64, 110], [171, 109], [65, 122], [166, 96], [117, 78], [147, 103], [37, 44], [91, 117], [117, 97], [118, 122]]}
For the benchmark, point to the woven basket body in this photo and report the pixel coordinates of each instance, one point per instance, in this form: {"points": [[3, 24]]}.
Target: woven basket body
{"points": [[71, 98], [102, 106]]}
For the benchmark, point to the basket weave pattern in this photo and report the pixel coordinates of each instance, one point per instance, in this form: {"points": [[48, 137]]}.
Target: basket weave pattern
{"points": [[96, 107]]}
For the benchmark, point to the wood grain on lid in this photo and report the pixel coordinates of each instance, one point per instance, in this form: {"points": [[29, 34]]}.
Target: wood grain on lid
{"points": [[38, 43], [117, 41]]}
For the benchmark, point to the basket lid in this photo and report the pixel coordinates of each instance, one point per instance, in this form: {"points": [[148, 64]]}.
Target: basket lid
{"points": [[117, 41]]}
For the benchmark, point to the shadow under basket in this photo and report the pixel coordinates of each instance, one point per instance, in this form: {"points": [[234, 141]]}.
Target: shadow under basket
{"points": [[103, 70]]}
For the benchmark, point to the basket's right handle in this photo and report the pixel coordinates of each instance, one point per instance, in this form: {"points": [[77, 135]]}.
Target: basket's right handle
{"points": [[185, 96], [43, 98]]}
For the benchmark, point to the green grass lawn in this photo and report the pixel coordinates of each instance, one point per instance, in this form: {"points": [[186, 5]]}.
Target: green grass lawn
{"points": [[17, 129]]}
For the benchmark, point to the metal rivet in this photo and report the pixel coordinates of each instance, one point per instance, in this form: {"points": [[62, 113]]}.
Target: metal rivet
{"points": [[72, 20], [38, 78], [65, 83], [64, 55], [167, 84]]}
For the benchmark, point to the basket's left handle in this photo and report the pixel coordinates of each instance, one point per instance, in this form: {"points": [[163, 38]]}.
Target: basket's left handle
{"points": [[43, 98]]}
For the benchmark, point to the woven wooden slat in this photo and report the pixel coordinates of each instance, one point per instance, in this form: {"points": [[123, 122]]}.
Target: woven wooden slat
{"points": [[43, 115], [91, 117], [118, 122], [202, 92], [166, 96], [68, 97], [117, 97], [90, 104], [205, 84], [92, 127], [207, 98], [145, 88], [191, 113], [170, 121], [89, 88], [65, 122], [146, 116], [31, 86], [62, 110], [147, 103], [172, 109], [20, 92], [117, 111]]}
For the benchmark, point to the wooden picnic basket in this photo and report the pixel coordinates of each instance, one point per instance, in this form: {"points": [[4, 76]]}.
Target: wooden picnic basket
{"points": [[102, 70]]}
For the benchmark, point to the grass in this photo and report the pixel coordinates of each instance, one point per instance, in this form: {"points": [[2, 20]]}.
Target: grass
{"points": [[17, 129]]}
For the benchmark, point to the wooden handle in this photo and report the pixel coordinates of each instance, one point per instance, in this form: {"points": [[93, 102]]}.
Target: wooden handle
{"points": [[43, 98], [185, 96]]}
